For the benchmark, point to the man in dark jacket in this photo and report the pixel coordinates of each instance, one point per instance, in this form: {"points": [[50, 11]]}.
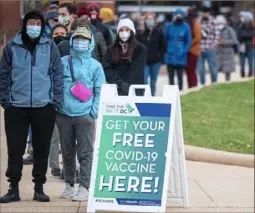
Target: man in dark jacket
{"points": [[107, 15], [31, 85], [95, 20], [100, 48]]}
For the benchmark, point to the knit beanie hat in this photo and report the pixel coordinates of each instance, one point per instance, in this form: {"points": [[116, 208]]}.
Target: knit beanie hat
{"points": [[94, 6], [83, 11], [126, 23], [220, 19], [106, 14]]}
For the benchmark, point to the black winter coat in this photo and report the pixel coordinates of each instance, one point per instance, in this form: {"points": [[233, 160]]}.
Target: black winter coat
{"points": [[155, 42], [104, 30], [124, 74], [100, 46]]}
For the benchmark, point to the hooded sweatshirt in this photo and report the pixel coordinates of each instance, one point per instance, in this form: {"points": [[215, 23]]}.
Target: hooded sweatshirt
{"points": [[90, 73], [27, 41]]}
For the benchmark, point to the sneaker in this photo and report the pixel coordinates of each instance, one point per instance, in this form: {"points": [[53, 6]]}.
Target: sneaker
{"points": [[28, 160], [55, 173], [81, 195], [68, 193]]}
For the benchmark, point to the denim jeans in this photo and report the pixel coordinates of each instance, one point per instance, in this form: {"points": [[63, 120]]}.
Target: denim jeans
{"points": [[152, 71], [29, 135], [250, 56], [29, 143], [171, 72], [210, 56]]}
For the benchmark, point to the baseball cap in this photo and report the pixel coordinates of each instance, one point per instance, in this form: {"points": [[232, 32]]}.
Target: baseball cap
{"points": [[83, 31]]}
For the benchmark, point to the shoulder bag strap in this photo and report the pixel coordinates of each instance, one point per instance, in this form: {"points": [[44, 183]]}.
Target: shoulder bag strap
{"points": [[71, 68]]}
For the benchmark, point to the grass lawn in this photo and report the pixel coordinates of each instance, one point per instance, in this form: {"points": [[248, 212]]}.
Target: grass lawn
{"points": [[220, 117]]}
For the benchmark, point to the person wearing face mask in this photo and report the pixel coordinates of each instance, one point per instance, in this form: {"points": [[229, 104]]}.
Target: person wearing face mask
{"points": [[67, 14], [178, 38], [100, 43], [225, 55], [51, 20], [208, 45], [245, 36], [124, 62], [95, 20], [31, 85], [77, 112], [59, 33], [153, 38], [194, 52]]}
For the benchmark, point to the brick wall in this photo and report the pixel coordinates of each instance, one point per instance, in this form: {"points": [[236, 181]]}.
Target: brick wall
{"points": [[9, 17]]}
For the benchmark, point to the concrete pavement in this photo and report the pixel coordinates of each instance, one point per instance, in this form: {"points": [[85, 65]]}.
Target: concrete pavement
{"points": [[163, 80], [212, 187]]}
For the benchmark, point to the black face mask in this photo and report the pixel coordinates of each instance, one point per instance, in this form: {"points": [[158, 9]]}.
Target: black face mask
{"points": [[205, 18], [179, 20], [58, 39]]}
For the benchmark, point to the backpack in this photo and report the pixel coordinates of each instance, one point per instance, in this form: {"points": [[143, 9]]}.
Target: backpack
{"points": [[113, 32]]}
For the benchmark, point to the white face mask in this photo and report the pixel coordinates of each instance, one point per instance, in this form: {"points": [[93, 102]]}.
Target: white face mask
{"points": [[93, 16], [221, 26], [124, 36]]}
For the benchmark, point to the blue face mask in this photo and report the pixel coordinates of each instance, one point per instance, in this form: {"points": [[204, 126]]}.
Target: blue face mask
{"points": [[150, 22], [52, 26], [34, 31], [80, 45]]}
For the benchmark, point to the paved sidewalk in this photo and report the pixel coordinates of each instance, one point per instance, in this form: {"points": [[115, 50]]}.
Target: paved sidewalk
{"points": [[212, 187], [163, 80]]}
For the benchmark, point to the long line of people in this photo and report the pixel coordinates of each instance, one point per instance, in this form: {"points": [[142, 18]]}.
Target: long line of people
{"points": [[52, 71]]}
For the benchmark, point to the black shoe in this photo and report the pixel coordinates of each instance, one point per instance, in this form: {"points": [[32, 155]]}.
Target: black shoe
{"points": [[11, 196], [41, 197], [55, 173], [28, 160]]}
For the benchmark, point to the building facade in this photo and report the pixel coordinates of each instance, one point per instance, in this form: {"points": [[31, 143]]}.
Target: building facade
{"points": [[12, 11]]}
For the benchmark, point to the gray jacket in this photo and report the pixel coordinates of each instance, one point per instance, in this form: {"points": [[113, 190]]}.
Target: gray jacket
{"points": [[31, 80], [225, 56]]}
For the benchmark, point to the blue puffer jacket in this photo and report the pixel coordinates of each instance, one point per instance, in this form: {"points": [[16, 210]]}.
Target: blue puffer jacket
{"points": [[178, 38], [89, 72], [30, 80]]}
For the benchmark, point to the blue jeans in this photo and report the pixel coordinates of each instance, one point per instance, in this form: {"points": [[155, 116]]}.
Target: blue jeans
{"points": [[152, 71], [29, 135], [171, 72], [250, 56], [210, 56]]}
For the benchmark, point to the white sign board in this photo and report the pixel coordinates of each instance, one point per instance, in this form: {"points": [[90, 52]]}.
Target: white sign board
{"points": [[133, 155]]}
